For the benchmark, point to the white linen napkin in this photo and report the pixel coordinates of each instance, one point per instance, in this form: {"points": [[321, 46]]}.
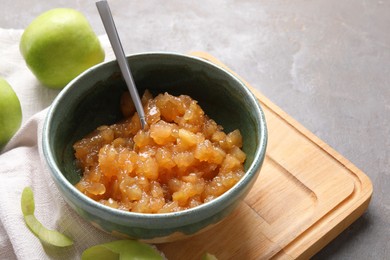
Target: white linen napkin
{"points": [[21, 165]]}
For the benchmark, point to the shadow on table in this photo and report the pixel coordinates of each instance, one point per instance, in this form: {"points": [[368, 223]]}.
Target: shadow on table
{"points": [[345, 239]]}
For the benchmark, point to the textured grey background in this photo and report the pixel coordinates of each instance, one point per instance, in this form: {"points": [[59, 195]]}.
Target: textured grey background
{"points": [[325, 62]]}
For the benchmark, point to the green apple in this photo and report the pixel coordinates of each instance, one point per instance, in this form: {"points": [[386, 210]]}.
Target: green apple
{"points": [[58, 45], [208, 256], [10, 112]]}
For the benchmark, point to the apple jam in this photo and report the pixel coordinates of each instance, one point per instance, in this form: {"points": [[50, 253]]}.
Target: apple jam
{"points": [[181, 160]]}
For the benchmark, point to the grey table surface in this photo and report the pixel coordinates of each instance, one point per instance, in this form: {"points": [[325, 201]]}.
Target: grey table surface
{"points": [[324, 62]]}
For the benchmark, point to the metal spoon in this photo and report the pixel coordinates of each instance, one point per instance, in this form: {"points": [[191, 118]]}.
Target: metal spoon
{"points": [[109, 25]]}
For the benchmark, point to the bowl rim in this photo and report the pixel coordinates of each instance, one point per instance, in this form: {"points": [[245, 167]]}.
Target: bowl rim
{"points": [[223, 199]]}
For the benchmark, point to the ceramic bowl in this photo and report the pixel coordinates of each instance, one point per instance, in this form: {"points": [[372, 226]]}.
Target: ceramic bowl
{"points": [[92, 99]]}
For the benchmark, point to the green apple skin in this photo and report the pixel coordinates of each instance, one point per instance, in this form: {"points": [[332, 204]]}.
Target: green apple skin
{"points": [[58, 45], [10, 112]]}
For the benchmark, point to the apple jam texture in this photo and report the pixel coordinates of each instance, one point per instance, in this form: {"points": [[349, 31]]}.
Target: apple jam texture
{"points": [[181, 160]]}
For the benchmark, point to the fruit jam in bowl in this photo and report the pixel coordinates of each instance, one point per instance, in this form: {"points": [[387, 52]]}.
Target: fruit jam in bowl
{"points": [[198, 157]]}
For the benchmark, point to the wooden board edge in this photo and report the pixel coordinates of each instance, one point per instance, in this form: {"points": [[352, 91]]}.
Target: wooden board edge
{"points": [[367, 184], [333, 230], [347, 215]]}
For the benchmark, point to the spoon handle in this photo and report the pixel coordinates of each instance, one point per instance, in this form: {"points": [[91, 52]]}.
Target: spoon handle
{"points": [[109, 25]]}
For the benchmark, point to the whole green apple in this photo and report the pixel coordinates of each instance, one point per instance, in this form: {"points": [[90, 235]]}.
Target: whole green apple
{"points": [[58, 45], [10, 112]]}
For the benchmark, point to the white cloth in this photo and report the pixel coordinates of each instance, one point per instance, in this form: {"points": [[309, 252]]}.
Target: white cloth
{"points": [[21, 165]]}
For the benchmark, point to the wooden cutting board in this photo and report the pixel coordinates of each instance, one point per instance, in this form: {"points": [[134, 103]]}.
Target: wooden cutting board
{"points": [[306, 194]]}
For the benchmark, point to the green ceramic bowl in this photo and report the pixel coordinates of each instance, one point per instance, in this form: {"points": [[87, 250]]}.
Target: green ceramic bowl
{"points": [[92, 99]]}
